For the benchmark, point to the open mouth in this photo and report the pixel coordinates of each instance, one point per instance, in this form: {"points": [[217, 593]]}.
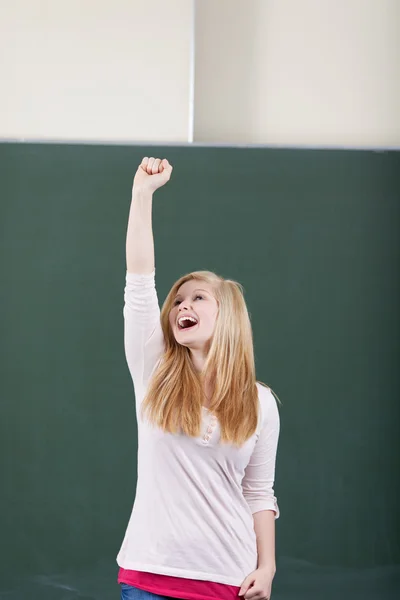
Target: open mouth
{"points": [[186, 324]]}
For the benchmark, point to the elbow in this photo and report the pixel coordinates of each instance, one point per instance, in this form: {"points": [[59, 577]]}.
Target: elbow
{"points": [[258, 502]]}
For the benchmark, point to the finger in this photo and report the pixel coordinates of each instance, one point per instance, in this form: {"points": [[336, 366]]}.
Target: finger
{"points": [[166, 165], [144, 162], [253, 594], [161, 168], [156, 165], [150, 165]]}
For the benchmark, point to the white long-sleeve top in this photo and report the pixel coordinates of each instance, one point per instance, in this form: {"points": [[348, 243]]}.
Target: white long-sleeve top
{"points": [[192, 514]]}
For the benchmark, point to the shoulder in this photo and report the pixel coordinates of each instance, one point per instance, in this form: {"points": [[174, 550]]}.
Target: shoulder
{"points": [[268, 404]]}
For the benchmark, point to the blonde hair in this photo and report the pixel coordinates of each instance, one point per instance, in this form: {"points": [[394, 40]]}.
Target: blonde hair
{"points": [[175, 395]]}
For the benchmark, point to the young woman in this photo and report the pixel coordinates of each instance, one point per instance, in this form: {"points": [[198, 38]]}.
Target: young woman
{"points": [[203, 521]]}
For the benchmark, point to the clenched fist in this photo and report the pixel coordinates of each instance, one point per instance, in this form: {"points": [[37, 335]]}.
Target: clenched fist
{"points": [[152, 173]]}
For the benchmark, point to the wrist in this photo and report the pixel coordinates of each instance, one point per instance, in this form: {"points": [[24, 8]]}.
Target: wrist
{"points": [[269, 567], [141, 193]]}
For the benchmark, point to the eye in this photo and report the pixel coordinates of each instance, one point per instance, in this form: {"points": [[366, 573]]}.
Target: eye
{"points": [[197, 296]]}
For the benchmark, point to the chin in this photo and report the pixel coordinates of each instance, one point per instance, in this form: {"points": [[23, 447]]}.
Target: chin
{"points": [[185, 341]]}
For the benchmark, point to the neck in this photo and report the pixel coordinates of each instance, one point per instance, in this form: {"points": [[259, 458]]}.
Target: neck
{"points": [[198, 359]]}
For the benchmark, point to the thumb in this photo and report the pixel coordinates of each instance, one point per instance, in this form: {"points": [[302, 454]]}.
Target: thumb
{"points": [[246, 584]]}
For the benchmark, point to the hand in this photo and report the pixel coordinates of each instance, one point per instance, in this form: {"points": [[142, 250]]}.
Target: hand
{"points": [[257, 585], [152, 173]]}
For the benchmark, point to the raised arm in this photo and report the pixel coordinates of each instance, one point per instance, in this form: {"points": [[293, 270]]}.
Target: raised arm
{"points": [[151, 174], [144, 342]]}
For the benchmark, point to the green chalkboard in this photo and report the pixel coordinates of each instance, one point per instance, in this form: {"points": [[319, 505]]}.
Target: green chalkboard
{"points": [[312, 235]]}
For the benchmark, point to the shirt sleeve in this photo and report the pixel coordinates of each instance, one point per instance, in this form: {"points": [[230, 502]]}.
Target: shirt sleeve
{"points": [[258, 480], [143, 336]]}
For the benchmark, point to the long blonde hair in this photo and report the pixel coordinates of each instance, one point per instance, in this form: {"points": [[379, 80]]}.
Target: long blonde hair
{"points": [[176, 391]]}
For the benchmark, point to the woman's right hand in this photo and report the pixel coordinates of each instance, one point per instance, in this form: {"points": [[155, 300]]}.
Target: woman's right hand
{"points": [[152, 173]]}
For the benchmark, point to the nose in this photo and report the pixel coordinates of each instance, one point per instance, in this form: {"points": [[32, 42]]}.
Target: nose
{"points": [[184, 305]]}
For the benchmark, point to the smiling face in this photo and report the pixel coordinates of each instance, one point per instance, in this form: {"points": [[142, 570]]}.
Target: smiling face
{"points": [[195, 299]]}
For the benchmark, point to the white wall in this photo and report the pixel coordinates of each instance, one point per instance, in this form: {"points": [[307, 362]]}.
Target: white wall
{"points": [[331, 72], [298, 72], [95, 69], [290, 72]]}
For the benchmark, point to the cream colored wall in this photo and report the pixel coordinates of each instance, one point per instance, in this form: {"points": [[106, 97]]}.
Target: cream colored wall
{"points": [[291, 72], [306, 72], [95, 69]]}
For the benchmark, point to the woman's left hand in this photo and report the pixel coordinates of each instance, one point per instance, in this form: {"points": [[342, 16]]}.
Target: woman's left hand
{"points": [[257, 585]]}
